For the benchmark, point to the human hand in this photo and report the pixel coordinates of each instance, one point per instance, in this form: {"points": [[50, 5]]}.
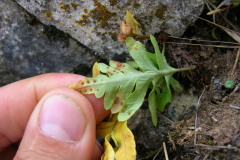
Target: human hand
{"points": [[50, 120]]}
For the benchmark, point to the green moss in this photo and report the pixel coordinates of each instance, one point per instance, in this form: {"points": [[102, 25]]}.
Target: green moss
{"points": [[210, 142], [213, 34], [149, 153], [160, 12]]}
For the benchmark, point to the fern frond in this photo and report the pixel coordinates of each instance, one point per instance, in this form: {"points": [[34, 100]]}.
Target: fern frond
{"points": [[124, 87]]}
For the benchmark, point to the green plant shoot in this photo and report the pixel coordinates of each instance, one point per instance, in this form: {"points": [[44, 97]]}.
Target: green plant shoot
{"points": [[229, 84], [235, 2]]}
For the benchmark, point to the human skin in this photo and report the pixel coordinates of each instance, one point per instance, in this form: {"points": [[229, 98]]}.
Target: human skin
{"points": [[21, 112]]}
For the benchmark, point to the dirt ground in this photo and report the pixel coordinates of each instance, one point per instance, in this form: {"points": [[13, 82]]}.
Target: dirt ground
{"points": [[218, 118]]}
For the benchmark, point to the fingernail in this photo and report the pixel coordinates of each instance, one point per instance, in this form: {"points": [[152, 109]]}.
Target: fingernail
{"points": [[62, 118]]}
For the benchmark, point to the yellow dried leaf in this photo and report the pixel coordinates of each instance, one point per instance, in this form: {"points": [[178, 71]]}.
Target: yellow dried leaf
{"points": [[127, 150], [130, 20], [109, 153], [124, 147], [73, 86], [115, 141], [105, 128], [95, 70]]}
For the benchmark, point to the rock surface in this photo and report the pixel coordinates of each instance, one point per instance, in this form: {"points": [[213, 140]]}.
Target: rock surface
{"points": [[95, 23], [29, 48]]}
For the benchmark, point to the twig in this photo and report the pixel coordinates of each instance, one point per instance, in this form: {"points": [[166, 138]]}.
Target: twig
{"points": [[230, 23], [236, 61], [215, 158], [235, 90], [206, 157], [219, 46], [216, 11], [210, 9], [188, 135], [217, 147], [171, 141], [200, 40], [157, 153], [158, 150], [165, 151], [235, 107], [197, 158], [165, 117], [217, 25], [195, 139]]}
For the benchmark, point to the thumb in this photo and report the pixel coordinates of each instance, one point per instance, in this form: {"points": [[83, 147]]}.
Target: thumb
{"points": [[62, 126]]}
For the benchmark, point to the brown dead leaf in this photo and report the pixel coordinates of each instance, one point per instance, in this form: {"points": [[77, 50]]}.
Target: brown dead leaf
{"points": [[125, 31], [130, 29]]}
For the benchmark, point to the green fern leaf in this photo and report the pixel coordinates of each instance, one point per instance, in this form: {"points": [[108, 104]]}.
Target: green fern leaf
{"points": [[124, 88]]}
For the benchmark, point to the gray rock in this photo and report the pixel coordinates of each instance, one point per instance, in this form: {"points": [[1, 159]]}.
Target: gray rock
{"points": [[149, 138], [29, 48], [217, 92], [216, 81], [95, 23]]}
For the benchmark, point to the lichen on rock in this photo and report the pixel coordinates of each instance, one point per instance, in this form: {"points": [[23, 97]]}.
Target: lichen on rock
{"points": [[160, 12], [100, 13]]}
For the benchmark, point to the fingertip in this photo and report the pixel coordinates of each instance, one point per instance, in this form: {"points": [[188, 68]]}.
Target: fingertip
{"points": [[98, 151], [97, 103]]}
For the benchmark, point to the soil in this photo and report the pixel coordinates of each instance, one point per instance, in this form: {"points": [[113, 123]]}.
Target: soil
{"points": [[218, 122]]}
